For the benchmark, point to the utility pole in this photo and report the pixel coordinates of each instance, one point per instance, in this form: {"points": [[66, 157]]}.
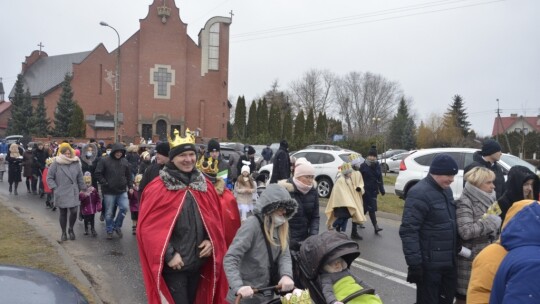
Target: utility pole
{"points": [[502, 128]]}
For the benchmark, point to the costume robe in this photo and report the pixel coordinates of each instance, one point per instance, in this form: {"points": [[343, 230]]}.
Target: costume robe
{"points": [[344, 194], [157, 217]]}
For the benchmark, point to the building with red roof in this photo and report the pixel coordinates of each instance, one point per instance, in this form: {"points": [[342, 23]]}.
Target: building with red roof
{"points": [[516, 123]]}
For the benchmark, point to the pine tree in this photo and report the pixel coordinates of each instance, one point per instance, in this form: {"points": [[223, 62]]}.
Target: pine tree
{"points": [[262, 121], [402, 128], [251, 130], [28, 113], [41, 123], [64, 111], [17, 122], [457, 111], [287, 127], [77, 127], [309, 129], [322, 126], [274, 124], [299, 128], [230, 130], [240, 119]]}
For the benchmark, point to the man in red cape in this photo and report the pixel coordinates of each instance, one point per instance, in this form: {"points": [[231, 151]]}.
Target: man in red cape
{"points": [[180, 233]]}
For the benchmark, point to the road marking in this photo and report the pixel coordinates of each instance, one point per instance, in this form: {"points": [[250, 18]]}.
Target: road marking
{"points": [[391, 277]]}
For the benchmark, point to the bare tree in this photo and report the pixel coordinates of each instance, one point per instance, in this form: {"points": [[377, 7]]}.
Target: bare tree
{"points": [[312, 91], [366, 101]]}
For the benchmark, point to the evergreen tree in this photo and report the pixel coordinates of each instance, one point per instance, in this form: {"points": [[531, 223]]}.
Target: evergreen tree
{"points": [[28, 113], [402, 128], [457, 111], [334, 126], [287, 127], [41, 123], [274, 124], [77, 127], [65, 107], [251, 130], [240, 119], [262, 121], [309, 130], [17, 122], [230, 130], [322, 126], [299, 128]]}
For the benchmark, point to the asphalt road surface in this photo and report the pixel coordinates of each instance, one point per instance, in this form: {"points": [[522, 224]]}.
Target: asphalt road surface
{"points": [[113, 265]]}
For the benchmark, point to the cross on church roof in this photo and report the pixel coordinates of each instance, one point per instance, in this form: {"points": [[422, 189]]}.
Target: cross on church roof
{"points": [[231, 13], [41, 45]]}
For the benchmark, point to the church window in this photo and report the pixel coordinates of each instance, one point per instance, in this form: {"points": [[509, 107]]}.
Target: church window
{"points": [[213, 47], [162, 77]]}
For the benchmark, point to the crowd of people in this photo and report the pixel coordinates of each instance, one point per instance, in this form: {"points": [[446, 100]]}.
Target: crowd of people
{"points": [[201, 242]]}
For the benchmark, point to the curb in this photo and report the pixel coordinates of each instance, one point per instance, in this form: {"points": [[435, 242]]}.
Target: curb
{"points": [[67, 260]]}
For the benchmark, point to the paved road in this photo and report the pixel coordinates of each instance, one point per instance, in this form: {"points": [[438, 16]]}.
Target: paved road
{"points": [[114, 264]]}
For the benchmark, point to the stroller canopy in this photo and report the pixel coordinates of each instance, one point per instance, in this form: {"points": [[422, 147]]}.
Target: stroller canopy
{"points": [[317, 250]]}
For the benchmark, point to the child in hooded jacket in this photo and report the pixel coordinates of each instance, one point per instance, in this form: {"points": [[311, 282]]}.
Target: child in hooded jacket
{"points": [[245, 191], [90, 204], [49, 201]]}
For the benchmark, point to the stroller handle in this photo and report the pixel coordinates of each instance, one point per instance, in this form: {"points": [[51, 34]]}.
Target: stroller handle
{"points": [[258, 290]]}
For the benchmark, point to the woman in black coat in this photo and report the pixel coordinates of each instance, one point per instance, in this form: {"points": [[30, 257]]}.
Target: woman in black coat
{"points": [[373, 185], [14, 159]]}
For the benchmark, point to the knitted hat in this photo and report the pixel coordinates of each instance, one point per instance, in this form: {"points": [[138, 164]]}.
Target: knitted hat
{"points": [[284, 144], [87, 177], [249, 150], [443, 164], [346, 168], [372, 151], [77, 152], [213, 146], [146, 155], [163, 149], [245, 168], [303, 167], [489, 147]]}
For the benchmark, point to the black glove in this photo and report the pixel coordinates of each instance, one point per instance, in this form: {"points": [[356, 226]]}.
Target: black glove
{"points": [[383, 193], [358, 189], [415, 274]]}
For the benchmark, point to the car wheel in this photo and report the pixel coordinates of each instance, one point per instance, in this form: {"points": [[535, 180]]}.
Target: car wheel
{"points": [[324, 187], [385, 168]]}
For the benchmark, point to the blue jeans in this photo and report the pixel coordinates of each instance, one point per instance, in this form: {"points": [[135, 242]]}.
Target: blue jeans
{"points": [[112, 200]]}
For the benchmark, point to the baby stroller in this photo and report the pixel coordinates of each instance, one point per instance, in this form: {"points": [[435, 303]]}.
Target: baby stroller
{"points": [[318, 250]]}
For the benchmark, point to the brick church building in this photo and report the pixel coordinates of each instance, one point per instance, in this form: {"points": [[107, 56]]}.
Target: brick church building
{"points": [[167, 80]]}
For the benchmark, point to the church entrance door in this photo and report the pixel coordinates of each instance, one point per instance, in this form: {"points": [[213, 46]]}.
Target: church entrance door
{"points": [[161, 129]]}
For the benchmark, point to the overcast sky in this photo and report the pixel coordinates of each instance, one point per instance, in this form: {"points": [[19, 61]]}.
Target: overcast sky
{"points": [[483, 50]]}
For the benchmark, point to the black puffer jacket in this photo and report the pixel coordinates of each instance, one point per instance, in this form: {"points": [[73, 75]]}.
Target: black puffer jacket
{"points": [[282, 165], [305, 222], [517, 176], [478, 161], [114, 174], [428, 229]]}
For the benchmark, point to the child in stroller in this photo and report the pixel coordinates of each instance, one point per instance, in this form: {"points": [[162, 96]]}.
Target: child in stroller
{"points": [[324, 261]]}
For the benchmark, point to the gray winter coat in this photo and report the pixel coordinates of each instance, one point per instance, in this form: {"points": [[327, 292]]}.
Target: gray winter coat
{"points": [[246, 262], [67, 181]]}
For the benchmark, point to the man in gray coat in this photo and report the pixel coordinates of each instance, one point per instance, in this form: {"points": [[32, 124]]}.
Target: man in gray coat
{"points": [[114, 175]]}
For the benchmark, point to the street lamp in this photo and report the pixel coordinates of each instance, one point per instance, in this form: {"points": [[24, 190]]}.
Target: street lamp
{"points": [[116, 82]]}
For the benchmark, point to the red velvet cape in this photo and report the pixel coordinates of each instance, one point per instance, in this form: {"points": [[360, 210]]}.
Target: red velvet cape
{"points": [[231, 216], [157, 216]]}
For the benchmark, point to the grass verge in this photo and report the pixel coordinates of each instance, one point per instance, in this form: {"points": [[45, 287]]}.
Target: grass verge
{"points": [[390, 203], [22, 245], [389, 179]]}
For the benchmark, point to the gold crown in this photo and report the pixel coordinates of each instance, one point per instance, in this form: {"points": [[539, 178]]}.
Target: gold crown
{"points": [[346, 167], [353, 156], [208, 165], [179, 140]]}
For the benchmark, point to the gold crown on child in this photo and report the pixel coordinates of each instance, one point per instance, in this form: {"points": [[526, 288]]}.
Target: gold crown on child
{"points": [[179, 140]]}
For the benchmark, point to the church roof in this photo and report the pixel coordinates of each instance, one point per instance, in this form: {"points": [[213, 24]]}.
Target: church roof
{"points": [[49, 72]]}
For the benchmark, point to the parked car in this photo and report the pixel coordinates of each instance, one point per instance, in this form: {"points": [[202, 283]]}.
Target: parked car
{"points": [[13, 138], [390, 153], [391, 164], [28, 285], [415, 167], [325, 147], [326, 163]]}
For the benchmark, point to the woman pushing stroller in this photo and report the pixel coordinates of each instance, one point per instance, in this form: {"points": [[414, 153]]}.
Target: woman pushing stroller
{"points": [[259, 254]]}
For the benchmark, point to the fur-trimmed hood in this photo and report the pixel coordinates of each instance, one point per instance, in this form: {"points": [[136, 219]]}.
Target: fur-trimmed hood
{"points": [[273, 198], [90, 159], [288, 184], [172, 180]]}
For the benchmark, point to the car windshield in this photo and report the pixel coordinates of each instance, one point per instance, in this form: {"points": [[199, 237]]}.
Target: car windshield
{"points": [[512, 160]]}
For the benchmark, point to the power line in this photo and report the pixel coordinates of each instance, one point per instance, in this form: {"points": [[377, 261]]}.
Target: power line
{"points": [[260, 33]]}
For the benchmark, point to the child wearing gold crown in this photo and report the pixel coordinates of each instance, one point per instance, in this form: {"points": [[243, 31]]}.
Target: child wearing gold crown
{"points": [[346, 199], [134, 203], [90, 204], [245, 191]]}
